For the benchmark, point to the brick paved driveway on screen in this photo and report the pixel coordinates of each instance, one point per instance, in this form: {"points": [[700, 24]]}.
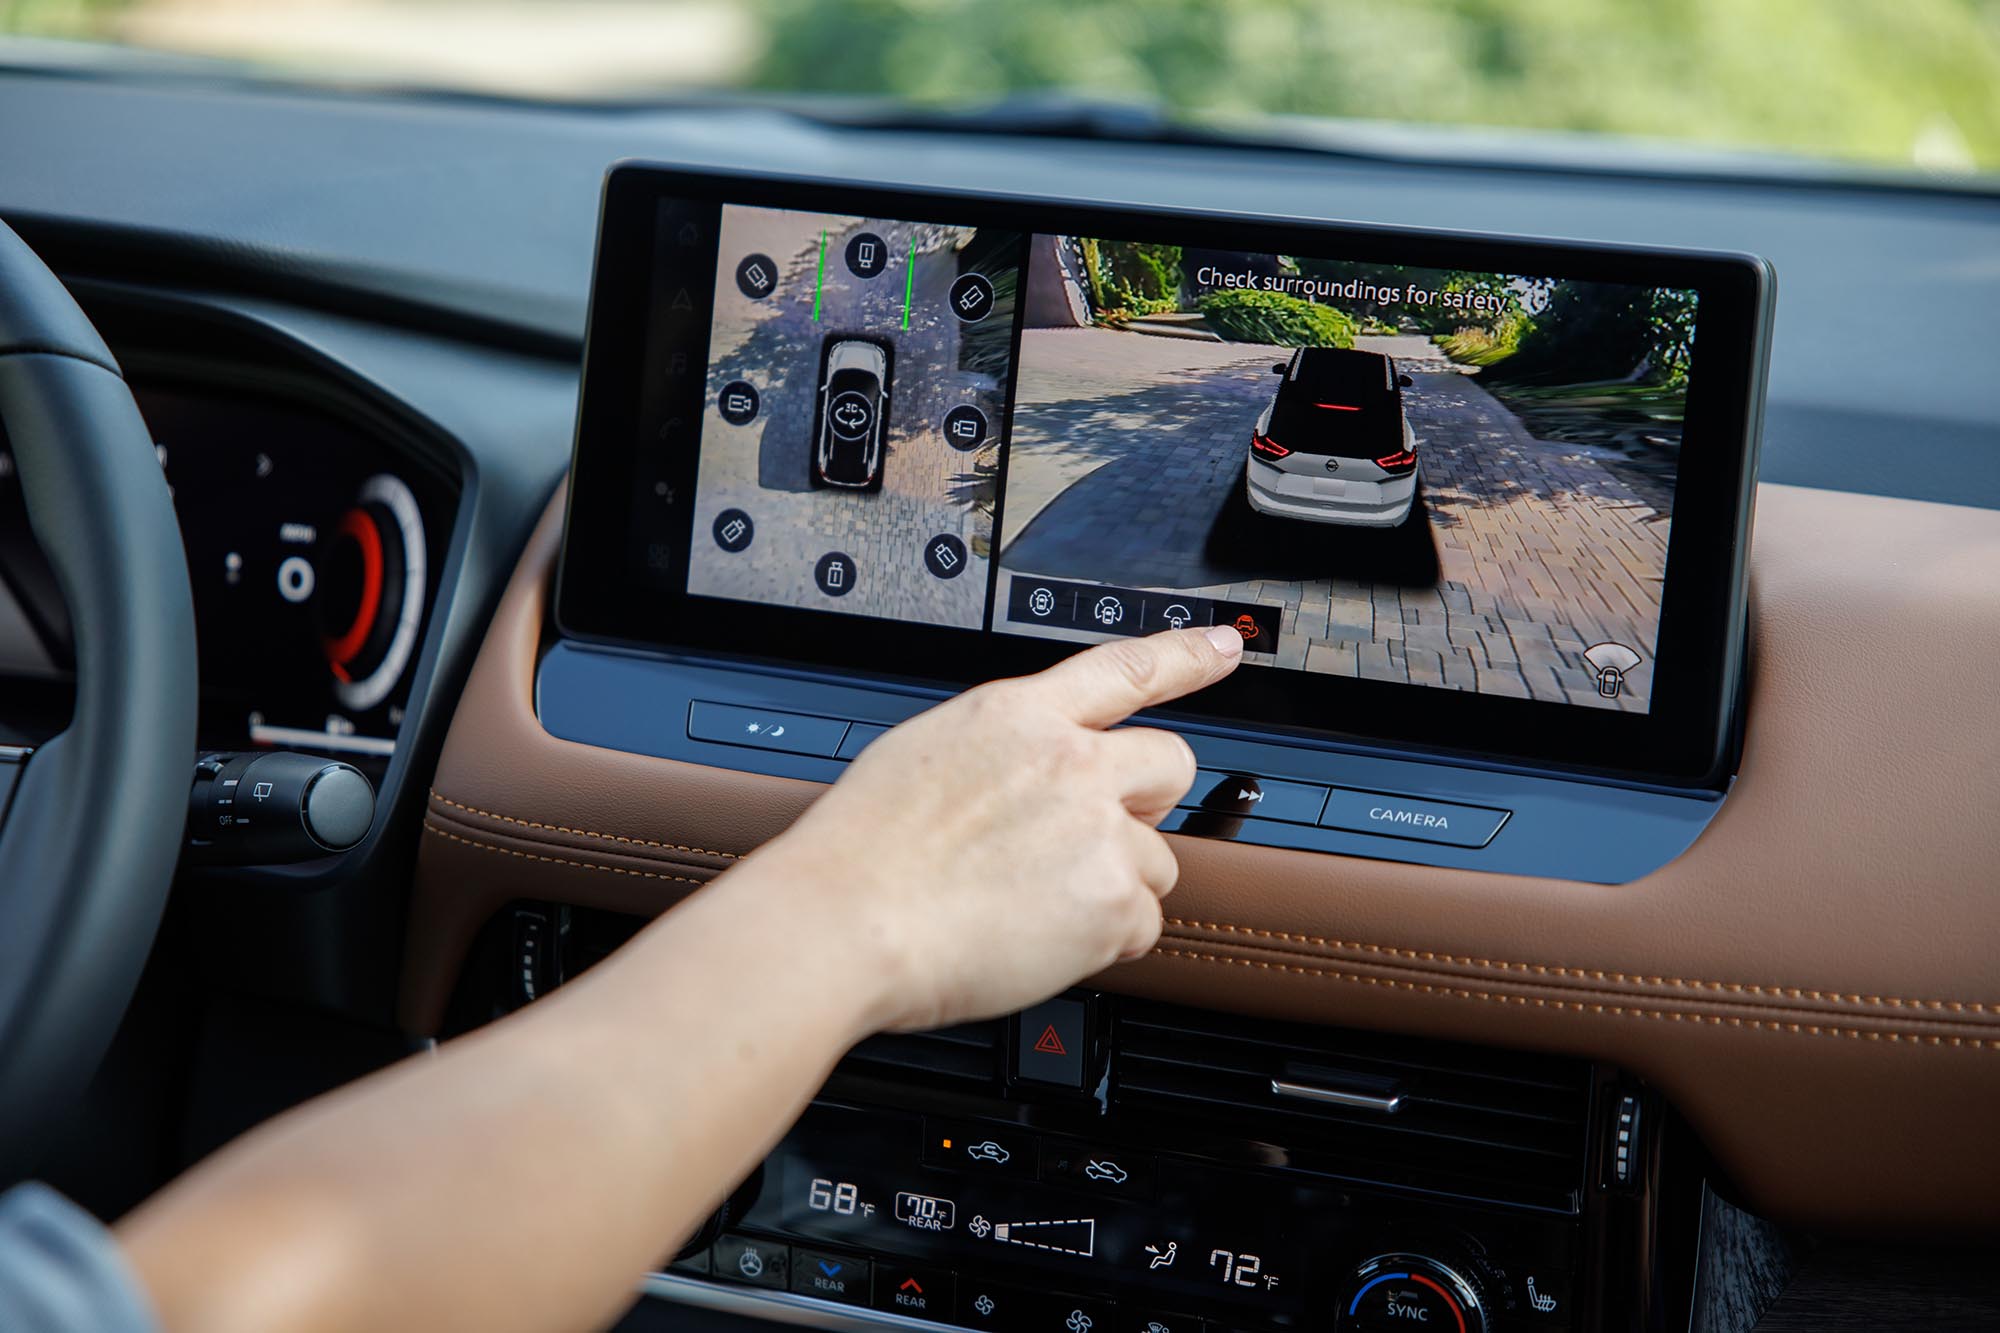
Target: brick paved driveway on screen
{"points": [[1127, 467]]}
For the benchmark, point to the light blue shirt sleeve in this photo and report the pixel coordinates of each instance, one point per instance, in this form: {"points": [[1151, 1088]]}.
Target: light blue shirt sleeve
{"points": [[60, 1270]]}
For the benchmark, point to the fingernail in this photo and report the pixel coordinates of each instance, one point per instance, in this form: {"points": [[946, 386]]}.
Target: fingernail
{"points": [[1226, 640]]}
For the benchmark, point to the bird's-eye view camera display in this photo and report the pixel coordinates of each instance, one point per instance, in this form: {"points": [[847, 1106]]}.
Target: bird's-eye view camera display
{"points": [[850, 446], [1436, 477]]}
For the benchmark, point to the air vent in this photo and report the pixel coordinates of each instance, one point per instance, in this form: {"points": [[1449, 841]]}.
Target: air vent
{"points": [[957, 1056], [1467, 1121]]}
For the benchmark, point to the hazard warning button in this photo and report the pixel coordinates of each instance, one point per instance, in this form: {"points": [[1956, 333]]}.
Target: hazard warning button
{"points": [[1052, 1043]]}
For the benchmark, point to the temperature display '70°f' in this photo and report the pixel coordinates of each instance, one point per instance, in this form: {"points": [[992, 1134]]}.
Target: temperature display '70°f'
{"points": [[925, 1212]]}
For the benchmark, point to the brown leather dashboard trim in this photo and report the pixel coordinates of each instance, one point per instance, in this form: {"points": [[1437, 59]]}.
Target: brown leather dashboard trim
{"points": [[1608, 1003], [447, 804], [1815, 983], [1319, 948]]}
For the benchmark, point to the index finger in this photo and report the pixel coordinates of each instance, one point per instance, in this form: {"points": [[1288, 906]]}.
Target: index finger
{"points": [[1107, 684]]}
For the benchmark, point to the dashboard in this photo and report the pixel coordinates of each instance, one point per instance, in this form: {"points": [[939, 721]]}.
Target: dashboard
{"points": [[1795, 981]]}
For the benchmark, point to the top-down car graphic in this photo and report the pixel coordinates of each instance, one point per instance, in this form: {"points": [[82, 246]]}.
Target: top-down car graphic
{"points": [[853, 415], [1334, 445]]}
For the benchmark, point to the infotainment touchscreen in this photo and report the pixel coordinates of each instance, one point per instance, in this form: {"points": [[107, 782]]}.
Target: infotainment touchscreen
{"points": [[1464, 493]]}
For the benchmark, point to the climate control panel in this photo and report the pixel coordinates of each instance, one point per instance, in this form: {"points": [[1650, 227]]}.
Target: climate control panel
{"points": [[981, 1224], [1100, 1163]]}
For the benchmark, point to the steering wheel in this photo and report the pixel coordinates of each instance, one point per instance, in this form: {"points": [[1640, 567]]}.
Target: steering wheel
{"points": [[90, 835]]}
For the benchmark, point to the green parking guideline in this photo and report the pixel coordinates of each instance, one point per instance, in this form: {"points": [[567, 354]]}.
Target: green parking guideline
{"points": [[819, 283], [909, 281]]}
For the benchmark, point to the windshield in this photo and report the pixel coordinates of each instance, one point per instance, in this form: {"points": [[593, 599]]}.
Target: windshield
{"points": [[1907, 83]]}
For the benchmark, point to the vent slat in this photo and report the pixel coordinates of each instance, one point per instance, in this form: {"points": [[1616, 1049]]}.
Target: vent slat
{"points": [[1370, 1046], [1550, 1108], [1411, 1121], [966, 1054], [1485, 1122]]}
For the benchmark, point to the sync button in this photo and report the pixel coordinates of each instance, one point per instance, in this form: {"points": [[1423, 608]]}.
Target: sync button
{"points": [[1411, 817]]}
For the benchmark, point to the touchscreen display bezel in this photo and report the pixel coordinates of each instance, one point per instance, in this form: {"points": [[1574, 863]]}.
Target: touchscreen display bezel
{"points": [[1685, 739]]}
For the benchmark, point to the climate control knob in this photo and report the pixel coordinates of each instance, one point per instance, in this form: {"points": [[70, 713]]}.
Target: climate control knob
{"points": [[1406, 1293]]}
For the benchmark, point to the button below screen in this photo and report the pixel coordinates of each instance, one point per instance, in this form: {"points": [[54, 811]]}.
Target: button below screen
{"points": [[1255, 798], [1394, 816], [859, 737], [764, 729]]}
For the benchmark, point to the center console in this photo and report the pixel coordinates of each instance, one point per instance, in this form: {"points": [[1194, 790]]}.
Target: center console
{"points": [[686, 687], [1478, 508]]}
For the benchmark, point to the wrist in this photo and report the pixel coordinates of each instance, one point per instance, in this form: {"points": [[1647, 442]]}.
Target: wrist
{"points": [[816, 931]]}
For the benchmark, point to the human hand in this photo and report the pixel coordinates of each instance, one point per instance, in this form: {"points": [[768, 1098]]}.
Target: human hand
{"points": [[1004, 845]]}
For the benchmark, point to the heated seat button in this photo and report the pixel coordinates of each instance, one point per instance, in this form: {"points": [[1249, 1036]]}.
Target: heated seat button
{"points": [[1051, 1043], [920, 1293], [759, 1262], [1222, 793], [764, 728], [1544, 1299], [830, 1277], [1413, 817]]}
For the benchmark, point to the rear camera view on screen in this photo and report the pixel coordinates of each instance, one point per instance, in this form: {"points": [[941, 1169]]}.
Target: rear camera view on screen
{"points": [[1435, 477], [857, 375]]}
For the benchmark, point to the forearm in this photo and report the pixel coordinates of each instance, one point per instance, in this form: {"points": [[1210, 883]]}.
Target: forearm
{"points": [[523, 1177]]}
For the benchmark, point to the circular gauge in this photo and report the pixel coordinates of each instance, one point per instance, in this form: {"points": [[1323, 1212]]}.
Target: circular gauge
{"points": [[371, 592]]}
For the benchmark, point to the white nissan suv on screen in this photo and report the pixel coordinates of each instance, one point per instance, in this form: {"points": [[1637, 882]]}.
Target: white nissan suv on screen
{"points": [[1334, 446]]}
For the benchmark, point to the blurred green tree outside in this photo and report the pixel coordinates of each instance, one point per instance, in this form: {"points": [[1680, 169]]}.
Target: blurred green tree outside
{"points": [[1888, 81]]}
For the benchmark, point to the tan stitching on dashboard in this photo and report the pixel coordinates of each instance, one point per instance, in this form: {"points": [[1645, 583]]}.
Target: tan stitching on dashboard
{"points": [[440, 797], [1595, 974], [1581, 1006], [559, 861], [1529, 985]]}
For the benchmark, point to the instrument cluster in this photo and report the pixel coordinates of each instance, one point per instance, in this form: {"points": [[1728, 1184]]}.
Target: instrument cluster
{"points": [[314, 551]]}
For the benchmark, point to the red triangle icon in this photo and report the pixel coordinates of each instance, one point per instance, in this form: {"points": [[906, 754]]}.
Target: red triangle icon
{"points": [[1049, 1043]]}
